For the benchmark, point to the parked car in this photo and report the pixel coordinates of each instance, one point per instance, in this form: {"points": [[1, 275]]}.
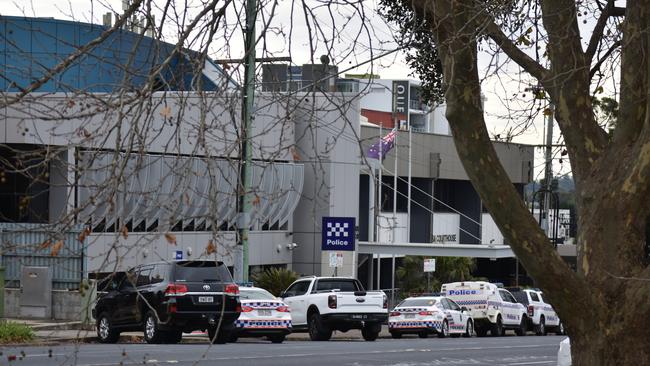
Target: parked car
{"points": [[493, 309], [541, 315], [430, 315], [262, 315], [166, 299], [321, 305]]}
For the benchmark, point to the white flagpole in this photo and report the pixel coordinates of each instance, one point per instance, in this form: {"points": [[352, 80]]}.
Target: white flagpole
{"points": [[408, 195], [381, 168], [395, 187]]}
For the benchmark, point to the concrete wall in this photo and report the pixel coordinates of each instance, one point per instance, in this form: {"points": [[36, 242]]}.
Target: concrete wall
{"points": [[517, 159], [327, 130], [66, 305]]}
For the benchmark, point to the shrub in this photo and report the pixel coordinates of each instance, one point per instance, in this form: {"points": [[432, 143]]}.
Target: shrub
{"points": [[11, 332], [275, 280]]}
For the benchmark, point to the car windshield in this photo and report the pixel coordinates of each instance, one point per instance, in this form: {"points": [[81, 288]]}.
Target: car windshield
{"points": [[201, 271], [418, 302], [246, 294]]}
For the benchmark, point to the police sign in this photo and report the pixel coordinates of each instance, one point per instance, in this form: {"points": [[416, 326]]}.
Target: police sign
{"points": [[338, 233]]}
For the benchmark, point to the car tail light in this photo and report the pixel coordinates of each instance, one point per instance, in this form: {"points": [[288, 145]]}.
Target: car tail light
{"points": [[232, 289], [395, 313], [175, 289], [246, 309], [426, 313], [531, 311], [385, 302], [331, 301], [283, 309]]}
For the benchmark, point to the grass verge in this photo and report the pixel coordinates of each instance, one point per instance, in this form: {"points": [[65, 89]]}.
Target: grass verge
{"points": [[11, 332]]}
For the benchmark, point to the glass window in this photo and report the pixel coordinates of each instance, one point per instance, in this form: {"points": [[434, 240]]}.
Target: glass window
{"points": [[343, 285], [159, 273], [201, 271], [418, 302], [143, 276], [453, 305], [297, 289], [541, 298], [505, 296], [247, 294], [533, 296]]}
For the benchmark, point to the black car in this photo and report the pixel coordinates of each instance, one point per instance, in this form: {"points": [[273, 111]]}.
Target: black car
{"points": [[166, 299]]}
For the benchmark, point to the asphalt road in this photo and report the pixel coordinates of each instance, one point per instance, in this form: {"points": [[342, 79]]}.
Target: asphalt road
{"points": [[510, 350]]}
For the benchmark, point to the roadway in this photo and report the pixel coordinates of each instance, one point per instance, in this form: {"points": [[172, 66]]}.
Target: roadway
{"points": [[509, 350]]}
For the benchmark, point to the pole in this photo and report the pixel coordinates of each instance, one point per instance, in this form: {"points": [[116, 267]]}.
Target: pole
{"points": [[245, 174], [392, 275], [381, 168], [548, 171], [408, 194]]}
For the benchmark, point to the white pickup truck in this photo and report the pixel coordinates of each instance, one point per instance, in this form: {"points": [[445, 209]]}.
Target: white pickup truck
{"points": [[322, 305], [541, 315]]}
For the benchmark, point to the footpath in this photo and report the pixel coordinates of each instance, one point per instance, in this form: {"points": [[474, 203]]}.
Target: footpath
{"points": [[52, 332]]}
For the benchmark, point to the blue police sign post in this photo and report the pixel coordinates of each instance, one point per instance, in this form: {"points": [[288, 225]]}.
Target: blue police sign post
{"points": [[338, 233], [178, 254]]}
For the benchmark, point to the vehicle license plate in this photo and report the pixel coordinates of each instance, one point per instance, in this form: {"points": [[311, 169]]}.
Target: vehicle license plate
{"points": [[206, 299], [359, 316], [409, 316], [264, 312]]}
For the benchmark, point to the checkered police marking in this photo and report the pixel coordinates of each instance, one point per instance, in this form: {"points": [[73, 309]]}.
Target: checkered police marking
{"points": [[265, 324], [338, 233], [415, 324]]}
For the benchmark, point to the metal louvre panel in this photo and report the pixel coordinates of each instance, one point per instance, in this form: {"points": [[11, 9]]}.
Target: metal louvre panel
{"points": [[172, 188], [21, 245]]}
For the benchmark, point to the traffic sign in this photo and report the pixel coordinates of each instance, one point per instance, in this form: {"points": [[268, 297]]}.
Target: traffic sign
{"points": [[336, 259], [430, 265], [338, 233], [178, 254]]}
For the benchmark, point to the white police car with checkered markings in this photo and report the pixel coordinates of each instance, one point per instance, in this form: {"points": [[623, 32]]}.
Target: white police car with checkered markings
{"points": [[262, 315], [493, 309], [426, 315]]}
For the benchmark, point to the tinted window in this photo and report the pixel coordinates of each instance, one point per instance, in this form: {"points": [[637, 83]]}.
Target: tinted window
{"points": [[297, 289], [445, 304], [453, 305], [533, 296], [521, 297], [541, 298], [255, 295], [201, 271], [159, 273], [143, 276], [334, 284], [505, 296], [418, 302]]}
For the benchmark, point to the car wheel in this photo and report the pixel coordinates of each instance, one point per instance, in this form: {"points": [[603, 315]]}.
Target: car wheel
{"points": [[278, 338], [370, 331], [521, 331], [541, 327], [469, 329], [318, 331], [396, 335], [152, 332], [220, 337], [233, 338], [560, 329], [444, 329], [423, 335], [105, 331], [497, 328]]}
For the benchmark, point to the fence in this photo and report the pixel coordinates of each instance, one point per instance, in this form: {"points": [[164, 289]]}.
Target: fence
{"points": [[36, 245]]}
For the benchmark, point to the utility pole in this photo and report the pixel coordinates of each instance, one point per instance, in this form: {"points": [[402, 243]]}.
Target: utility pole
{"points": [[244, 201], [548, 171]]}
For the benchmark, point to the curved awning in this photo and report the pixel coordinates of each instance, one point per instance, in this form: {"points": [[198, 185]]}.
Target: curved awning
{"points": [[145, 188]]}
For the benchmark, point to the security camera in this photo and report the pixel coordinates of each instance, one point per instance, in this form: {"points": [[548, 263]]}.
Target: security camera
{"points": [[292, 246], [189, 251]]}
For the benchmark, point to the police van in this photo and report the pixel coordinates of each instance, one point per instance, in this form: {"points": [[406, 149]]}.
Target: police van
{"points": [[493, 309]]}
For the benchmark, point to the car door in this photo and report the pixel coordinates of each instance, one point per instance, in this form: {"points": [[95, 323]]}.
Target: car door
{"points": [[454, 316], [295, 298], [125, 300], [551, 317], [144, 296], [510, 310]]}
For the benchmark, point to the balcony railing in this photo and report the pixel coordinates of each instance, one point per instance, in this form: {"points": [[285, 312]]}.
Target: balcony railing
{"points": [[418, 105]]}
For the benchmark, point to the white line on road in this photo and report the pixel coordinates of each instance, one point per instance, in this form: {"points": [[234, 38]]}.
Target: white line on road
{"points": [[530, 363]]}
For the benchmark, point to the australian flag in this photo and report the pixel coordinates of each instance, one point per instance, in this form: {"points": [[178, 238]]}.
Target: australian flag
{"points": [[387, 143]]}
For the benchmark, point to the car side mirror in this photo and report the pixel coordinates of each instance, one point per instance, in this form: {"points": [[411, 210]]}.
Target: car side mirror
{"points": [[464, 309]]}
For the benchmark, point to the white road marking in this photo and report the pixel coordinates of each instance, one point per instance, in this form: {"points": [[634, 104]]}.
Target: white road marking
{"points": [[530, 363]]}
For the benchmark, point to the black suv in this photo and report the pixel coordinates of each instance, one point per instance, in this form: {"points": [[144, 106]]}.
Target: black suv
{"points": [[166, 299]]}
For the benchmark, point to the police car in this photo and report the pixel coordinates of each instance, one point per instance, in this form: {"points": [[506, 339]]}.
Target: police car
{"points": [[541, 315], [428, 315], [262, 315], [493, 309]]}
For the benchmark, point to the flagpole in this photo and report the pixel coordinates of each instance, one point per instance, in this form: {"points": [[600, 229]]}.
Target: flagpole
{"points": [[392, 276], [381, 168], [408, 194]]}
